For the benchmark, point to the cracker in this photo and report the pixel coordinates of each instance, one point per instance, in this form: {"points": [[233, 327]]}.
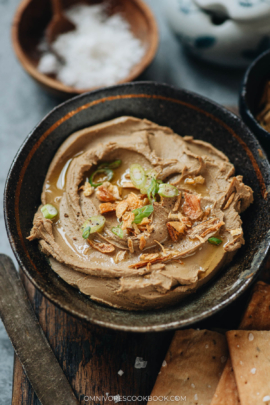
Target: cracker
{"points": [[226, 392], [257, 315], [250, 355], [194, 364]]}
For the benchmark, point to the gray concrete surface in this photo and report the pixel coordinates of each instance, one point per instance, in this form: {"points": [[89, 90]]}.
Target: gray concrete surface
{"points": [[23, 104]]}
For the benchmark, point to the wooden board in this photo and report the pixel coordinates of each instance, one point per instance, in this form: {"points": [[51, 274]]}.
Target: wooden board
{"points": [[92, 356]]}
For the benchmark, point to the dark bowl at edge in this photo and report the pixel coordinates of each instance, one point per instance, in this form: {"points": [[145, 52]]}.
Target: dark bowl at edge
{"points": [[256, 77], [187, 114]]}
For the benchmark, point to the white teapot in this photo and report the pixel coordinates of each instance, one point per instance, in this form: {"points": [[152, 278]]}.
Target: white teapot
{"points": [[227, 32]]}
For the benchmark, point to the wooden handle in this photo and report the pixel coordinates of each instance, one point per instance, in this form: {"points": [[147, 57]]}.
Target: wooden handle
{"points": [[29, 341]]}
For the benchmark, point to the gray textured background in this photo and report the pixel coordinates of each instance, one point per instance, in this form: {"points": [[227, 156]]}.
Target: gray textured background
{"points": [[23, 104]]}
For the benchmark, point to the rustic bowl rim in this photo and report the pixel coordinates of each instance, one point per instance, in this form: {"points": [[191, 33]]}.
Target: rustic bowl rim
{"points": [[57, 86], [263, 249], [244, 108]]}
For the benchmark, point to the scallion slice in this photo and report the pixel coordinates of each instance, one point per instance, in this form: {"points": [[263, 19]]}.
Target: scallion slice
{"points": [[49, 211], [167, 190], [137, 175], [86, 232], [215, 241], [150, 174], [141, 213], [152, 190], [92, 225], [108, 172], [118, 231]]}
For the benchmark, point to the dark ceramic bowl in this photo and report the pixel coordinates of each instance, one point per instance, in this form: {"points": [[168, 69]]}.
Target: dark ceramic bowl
{"points": [[186, 113], [254, 81]]}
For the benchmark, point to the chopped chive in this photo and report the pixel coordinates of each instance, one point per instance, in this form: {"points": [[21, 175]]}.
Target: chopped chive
{"points": [[215, 241]]}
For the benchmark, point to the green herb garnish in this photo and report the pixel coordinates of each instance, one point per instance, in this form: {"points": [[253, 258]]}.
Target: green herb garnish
{"points": [[137, 175], [86, 232], [167, 190], [49, 211], [215, 241], [152, 190], [92, 225], [149, 175], [141, 213], [108, 172], [118, 231]]}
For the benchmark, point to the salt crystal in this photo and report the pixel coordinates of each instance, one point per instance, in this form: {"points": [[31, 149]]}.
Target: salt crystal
{"points": [[48, 64], [258, 393], [120, 372], [241, 362], [209, 386], [237, 346], [196, 397], [250, 337], [164, 364], [267, 398], [206, 346], [140, 363], [192, 385], [223, 359], [253, 370], [101, 51]]}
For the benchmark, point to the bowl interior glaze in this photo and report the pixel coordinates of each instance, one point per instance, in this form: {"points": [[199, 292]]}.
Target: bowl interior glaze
{"points": [[187, 114]]}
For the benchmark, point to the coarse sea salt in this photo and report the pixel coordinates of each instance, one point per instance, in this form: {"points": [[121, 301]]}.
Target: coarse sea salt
{"points": [[101, 51], [140, 363]]}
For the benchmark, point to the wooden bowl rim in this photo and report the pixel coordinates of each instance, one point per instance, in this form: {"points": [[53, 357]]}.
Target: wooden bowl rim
{"points": [[55, 84]]}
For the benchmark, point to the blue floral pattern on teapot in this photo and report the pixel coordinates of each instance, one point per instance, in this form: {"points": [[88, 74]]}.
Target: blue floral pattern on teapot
{"points": [[245, 28]]}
